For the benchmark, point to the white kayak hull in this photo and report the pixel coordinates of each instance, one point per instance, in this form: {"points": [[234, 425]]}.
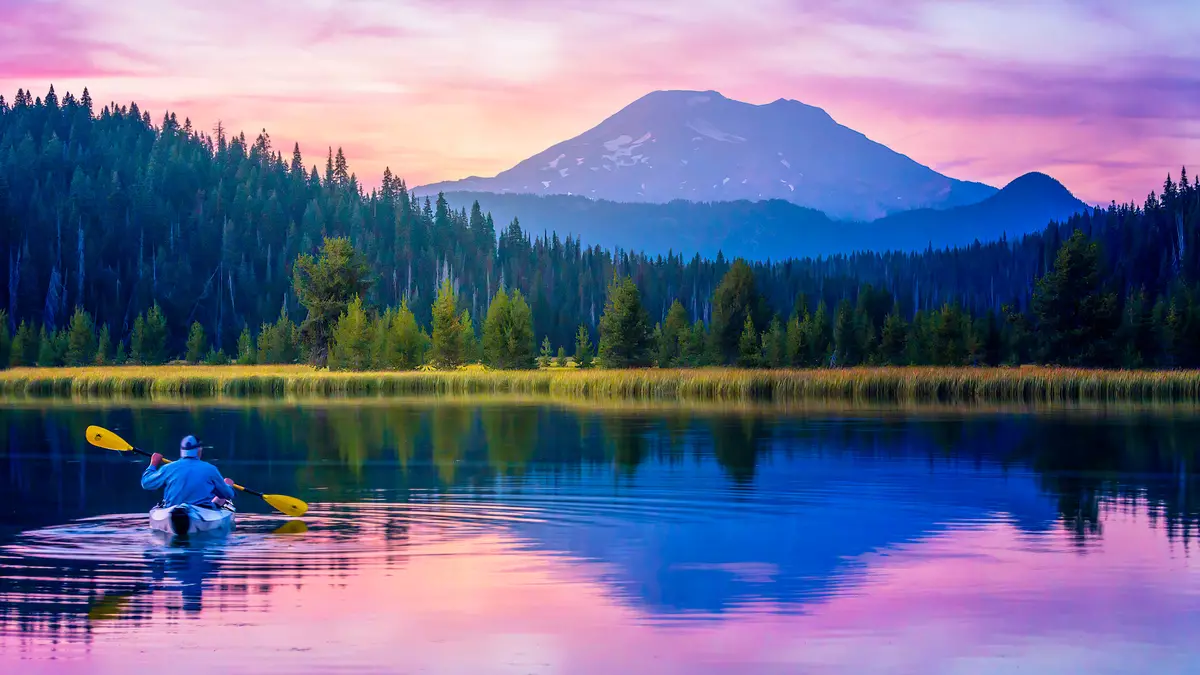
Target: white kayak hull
{"points": [[199, 520]]}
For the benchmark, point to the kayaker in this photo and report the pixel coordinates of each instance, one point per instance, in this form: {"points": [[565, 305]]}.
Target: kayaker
{"points": [[191, 480]]}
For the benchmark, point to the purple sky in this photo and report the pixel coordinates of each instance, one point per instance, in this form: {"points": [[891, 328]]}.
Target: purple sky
{"points": [[1102, 94]]}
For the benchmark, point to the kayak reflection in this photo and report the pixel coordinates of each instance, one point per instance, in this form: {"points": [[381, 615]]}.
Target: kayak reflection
{"points": [[188, 564]]}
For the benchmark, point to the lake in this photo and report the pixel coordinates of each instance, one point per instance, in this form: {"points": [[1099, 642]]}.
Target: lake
{"points": [[510, 536]]}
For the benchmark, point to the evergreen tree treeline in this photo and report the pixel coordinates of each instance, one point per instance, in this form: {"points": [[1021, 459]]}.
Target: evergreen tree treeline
{"points": [[154, 229]]}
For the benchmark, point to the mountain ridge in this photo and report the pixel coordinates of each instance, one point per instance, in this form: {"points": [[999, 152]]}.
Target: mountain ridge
{"points": [[703, 146], [776, 229]]}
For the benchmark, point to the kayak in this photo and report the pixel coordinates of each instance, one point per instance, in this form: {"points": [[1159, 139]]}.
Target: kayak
{"points": [[187, 519]]}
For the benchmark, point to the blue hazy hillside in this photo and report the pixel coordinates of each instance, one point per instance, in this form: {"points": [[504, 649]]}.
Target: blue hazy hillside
{"points": [[776, 229]]}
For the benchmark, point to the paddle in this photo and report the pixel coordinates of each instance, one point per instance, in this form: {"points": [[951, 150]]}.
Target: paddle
{"points": [[103, 438]]}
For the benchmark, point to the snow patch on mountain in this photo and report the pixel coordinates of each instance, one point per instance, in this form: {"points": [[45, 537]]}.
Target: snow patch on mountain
{"points": [[622, 147], [706, 129]]}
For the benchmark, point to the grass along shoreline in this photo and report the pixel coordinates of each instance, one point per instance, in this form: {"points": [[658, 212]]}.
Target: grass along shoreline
{"points": [[903, 384]]}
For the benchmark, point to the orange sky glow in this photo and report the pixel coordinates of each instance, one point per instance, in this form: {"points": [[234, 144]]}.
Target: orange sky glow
{"points": [[1100, 94]]}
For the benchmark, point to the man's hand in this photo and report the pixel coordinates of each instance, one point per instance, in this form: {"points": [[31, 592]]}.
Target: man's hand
{"points": [[156, 460], [229, 482], [219, 502]]}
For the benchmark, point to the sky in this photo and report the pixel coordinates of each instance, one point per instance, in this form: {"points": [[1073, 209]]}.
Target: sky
{"points": [[1102, 94]]}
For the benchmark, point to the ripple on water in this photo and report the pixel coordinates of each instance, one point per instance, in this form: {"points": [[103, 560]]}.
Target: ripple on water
{"points": [[94, 565], [62, 578]]}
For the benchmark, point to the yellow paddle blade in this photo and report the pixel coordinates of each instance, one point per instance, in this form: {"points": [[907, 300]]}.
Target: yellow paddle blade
{"points": [[291, 527], [108, 607], [289, 505], [103, 438]]}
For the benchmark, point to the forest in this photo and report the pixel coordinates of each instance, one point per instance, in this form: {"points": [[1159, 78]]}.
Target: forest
{"points": [[129, 241]]}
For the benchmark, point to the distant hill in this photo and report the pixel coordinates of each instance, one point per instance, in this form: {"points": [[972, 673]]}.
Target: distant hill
{"points": [[704, 147], [776, 229], [1026, 204]]}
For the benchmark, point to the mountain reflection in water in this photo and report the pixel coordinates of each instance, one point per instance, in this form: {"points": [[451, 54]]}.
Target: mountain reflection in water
{"points": [[485, 536]]}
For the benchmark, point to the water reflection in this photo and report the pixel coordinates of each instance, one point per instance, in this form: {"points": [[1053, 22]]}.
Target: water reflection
{"points": [[466, 537]]}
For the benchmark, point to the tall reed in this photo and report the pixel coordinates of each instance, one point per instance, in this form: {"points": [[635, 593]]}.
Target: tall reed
{"points": [[1026, 384]]}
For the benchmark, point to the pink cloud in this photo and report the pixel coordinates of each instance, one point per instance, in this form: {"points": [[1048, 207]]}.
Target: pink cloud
{"points": [[1099, 94]]}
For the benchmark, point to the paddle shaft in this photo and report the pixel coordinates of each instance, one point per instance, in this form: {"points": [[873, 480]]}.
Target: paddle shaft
{"points": [[168, 461], [103, 438]]}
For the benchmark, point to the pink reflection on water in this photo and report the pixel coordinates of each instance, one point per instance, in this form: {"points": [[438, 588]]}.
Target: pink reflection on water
{"points": [[986, 599]]}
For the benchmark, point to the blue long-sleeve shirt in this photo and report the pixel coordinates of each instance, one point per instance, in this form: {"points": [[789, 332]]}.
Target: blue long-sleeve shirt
{"points": [[187, 481]]}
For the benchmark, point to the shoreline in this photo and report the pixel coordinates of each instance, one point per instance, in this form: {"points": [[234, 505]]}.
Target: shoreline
{"points": [[1028, 384]]}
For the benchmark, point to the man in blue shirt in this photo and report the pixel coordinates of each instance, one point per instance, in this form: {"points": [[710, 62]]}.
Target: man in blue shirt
{"points": [[190, 480]]}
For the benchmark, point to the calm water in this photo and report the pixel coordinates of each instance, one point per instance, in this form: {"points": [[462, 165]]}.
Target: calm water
{"points": [[485, 537]]}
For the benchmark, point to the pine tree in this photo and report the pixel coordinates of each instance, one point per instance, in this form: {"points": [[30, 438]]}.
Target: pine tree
{"points": [[446, 350], [774, 345], [381, 341], [24, 349], [279, 342], [81, 339], [148, 344], [1137, 332], [545, 355], [246, 354], [157, 334], [624, 327], [495, 331], [583, 347], [797, 334], [845, 337], [471, 349], [508, 338], [407, 343], [136, 339], [325, 286], [950, 337], [351, 345], [672, 336], [51, 349], [736, 298], [893, 342], [521, 337], [695, 346], [216, 357], [749, 354], [820, 340], [561, 360], [1076, 320], [122, 355], [1019, 344], [197, 343], [104, 347]]}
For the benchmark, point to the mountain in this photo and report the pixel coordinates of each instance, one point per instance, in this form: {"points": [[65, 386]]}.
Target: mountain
{"points": [[1025, 205], [702, 146], [776, 229]]}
